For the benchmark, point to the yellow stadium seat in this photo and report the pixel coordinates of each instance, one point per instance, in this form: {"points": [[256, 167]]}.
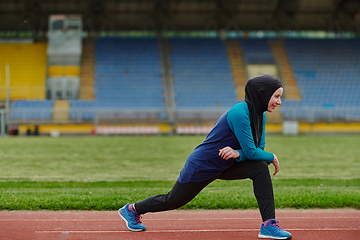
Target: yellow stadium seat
{"points": [[27, 64], [56, 70]]}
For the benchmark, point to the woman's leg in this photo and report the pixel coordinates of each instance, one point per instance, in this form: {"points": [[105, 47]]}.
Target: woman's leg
{"points": [[258, 172], [177, 197]]}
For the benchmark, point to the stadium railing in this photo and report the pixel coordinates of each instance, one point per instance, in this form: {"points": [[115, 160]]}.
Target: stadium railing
{"points": [[87, 115], [322, 114], [97, 116], [23, 92]]}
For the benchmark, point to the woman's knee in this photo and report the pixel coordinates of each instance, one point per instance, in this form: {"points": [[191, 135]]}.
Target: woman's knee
{"points": [[259, 168], [263, 165]]}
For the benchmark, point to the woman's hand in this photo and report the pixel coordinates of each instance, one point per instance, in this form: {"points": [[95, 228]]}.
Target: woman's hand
{"points": [[227, 153], [275, 162]]}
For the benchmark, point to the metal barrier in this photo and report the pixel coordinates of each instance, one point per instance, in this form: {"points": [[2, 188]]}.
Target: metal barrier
{"points": [[98, 116], [28, 92], [321, 114], [87, 115]]}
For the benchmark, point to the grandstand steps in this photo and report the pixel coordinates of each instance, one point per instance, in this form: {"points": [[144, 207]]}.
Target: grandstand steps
{"points": [[289, 81], [61, 111], [87, 71], [237, 67], [169, 94]]}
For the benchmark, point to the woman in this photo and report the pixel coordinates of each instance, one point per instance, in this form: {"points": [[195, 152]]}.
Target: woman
{"points": [[234, 149]]}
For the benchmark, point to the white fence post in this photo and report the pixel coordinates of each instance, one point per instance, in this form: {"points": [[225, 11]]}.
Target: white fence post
{"points": [[2, 127]]}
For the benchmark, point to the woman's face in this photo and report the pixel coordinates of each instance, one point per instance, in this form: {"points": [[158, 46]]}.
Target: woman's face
{"points": [[275, 99]]}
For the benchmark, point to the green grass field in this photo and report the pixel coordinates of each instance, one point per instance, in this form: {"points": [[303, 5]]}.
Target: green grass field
{"points": [[104, 173]]}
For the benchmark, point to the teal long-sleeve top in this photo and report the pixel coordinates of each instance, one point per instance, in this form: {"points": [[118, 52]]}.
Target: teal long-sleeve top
{"points": [[232, 129]]}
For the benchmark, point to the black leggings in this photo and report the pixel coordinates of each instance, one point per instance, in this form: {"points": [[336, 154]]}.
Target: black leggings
{"points": [[181, 194]]}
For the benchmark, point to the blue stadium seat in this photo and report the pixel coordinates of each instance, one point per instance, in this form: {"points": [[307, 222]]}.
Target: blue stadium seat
{"points": [[256, 51], [327, 74], [31, 109], [201, 73], [128, 76]]}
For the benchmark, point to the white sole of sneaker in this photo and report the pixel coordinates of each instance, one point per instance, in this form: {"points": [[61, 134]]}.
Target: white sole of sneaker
{"points": [[127, 223], [271, 237]]}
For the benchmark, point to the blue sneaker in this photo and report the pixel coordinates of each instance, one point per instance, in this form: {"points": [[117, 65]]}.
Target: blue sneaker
{"points": [[273, 231], [132, 219]]}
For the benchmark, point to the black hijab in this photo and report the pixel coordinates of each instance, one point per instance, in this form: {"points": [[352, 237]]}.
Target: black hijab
{"points": [[258, 91]]}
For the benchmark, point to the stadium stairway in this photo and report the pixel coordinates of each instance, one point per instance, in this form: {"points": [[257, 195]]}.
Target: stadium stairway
{"points": [[61, 111], [87, 70], [169, 94], [237, 67], [287, 74]]}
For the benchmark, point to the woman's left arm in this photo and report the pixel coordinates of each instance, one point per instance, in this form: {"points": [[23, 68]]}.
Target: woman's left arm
{"points": [[239, 122], [227, 152]]}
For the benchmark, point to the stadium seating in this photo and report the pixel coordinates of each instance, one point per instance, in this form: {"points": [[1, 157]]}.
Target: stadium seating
{"points": [[32, 109], [128, 73], [128, 76], [82, 109], [328, 75], [201, 73], [27, 63], [257, 51]]}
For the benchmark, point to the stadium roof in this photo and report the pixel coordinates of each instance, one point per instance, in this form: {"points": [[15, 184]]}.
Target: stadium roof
{"points": [[184, 15]]}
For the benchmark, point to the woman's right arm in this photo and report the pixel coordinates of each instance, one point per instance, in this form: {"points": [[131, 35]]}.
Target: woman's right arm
{"points": [[276, 165]]}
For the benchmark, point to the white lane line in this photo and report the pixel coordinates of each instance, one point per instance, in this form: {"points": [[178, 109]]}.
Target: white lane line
{"points": [[196, 230], [151, 231], [159, 219]]}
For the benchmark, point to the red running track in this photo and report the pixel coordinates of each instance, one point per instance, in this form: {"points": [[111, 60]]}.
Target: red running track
{"points": [[179, 224]]}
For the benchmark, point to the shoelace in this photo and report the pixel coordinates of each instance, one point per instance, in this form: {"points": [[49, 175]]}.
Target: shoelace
{"points": [[276, 225], [137, 218]]}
